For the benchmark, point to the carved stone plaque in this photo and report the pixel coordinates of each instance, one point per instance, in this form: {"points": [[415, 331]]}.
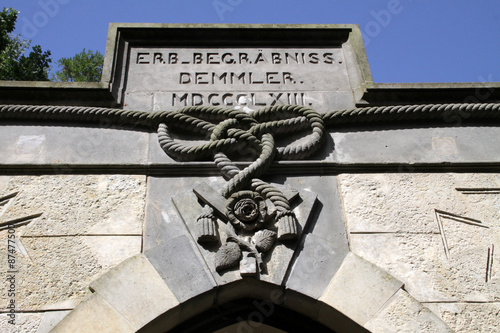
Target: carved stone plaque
{"points": [[246, 77], [317, 68]]}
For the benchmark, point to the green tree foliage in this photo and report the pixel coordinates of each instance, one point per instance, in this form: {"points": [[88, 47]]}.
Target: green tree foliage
{"points": [[14, 64], [85, 66]]}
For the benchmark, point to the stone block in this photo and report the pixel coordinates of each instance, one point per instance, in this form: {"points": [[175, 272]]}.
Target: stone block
{"points": [[135, 290], [326, 220], [138, 101], [325, 246], [358, 290], [24, 322], [317, 262], [163, 221], [94, 315], [384, 145], [419, 261], [63, 145], [78, 204], [50, 319], [431, 231], [469, 317], [58, 269], [112, 250], [339, 100], [405, 314], [181, 267], [403, 202]]}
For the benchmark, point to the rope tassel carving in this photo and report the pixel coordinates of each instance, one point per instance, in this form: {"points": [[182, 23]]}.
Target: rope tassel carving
{"points": [[206, 229], [287, 226]]}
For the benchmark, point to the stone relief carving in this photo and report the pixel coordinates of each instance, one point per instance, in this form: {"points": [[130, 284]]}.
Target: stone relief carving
{"points": [[490, 256], [257, 214], [249, 227]]}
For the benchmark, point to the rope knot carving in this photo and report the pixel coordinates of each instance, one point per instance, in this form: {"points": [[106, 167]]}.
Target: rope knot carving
{"points": [[231, 132]]}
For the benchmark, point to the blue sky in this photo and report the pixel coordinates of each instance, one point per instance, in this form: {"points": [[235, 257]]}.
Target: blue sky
{"points": [[405, 40]]}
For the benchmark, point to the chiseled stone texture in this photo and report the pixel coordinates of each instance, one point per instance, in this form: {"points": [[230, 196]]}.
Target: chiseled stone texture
{"points": [[89, 223], [25, 323], [51, 319], [94, 315], [61, 268], [429, 233], [359, 290], [136, 291], [78, 204], [405, 314], [470, 317]]}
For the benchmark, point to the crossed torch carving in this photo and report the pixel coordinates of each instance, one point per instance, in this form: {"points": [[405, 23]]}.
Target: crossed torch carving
{"points": [[228, 133]]}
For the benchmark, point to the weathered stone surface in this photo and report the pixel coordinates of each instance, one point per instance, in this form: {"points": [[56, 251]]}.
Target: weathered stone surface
{"points": [[469, 317], [61, 268], [439, 240], [25, 322], [78, 204], [411, 258], [56, 145], [139, 101], [317, 262], [4, 181], [135, 290], [359, 290], [326, 245], [417, 145], [112, 250], [419, 261], [94, 315], [406, 202], [55, 261], [162, 218], [435, 232], [405, 314], [50, 320], [327, 217], [181, 267]]}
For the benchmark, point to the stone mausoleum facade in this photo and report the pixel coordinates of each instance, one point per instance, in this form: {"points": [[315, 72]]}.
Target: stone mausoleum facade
{"points": [[248, 178]]}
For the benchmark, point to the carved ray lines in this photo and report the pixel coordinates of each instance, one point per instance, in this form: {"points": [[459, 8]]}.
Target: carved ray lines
{"points": [[5, 202], [440, 215], [489, 264], [478, 190], [491, 250]]}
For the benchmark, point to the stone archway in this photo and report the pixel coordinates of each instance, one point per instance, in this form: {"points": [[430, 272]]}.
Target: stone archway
{"points": [[361, 297]]}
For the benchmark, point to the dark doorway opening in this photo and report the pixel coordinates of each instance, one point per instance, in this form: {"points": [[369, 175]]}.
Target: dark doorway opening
{"points": [[250, 316]]}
